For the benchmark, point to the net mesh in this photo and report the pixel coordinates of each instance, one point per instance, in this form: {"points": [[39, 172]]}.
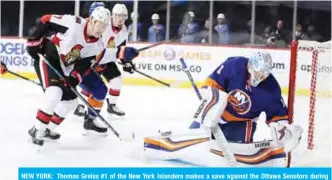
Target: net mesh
{"points": [[309, 101]]}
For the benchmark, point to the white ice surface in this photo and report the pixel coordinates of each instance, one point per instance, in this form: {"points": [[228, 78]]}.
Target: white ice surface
{"points": [[148, 109]]}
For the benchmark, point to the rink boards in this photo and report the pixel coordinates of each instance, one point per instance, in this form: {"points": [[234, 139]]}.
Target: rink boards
{"points": [[162, 62]]}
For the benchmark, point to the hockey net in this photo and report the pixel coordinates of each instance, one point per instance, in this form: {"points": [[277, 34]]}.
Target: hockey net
{"points": [[309, 101]]}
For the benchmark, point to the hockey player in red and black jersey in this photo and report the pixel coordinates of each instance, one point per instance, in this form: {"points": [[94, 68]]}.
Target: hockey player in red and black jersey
{"points": [[71, 51], [114, 37]]}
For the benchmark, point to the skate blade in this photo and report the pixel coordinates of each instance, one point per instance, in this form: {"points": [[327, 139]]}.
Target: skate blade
{"points": [[94, 133]]}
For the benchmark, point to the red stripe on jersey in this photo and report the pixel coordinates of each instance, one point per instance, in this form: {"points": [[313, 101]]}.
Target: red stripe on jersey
{"points": [[45, 72], [114, 92], [46, 18], [43, 117], [55, 40]]}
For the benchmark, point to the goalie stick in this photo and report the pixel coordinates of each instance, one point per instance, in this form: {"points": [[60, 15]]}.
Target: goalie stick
{"points": [[82, 98], [218, 134]]}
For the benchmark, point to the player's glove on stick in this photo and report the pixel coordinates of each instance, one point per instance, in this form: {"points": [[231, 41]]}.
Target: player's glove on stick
{"points": [[129, 67], [286, 135], [127, 54], [3, 68], [72, 80], [35, 47]]}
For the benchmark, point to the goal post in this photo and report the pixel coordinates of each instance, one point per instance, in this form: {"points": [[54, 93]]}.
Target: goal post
{"points": [[309, 100]]}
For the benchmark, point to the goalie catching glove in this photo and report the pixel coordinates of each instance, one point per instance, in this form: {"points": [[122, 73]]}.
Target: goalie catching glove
{"points": [[286, 135]]}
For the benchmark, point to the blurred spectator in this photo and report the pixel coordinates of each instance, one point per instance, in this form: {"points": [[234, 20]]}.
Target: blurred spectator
{"points": [[188, 34], [276, 35], [299, 34], [156, 31], [312, 34], [203, 36], [130, 28], [222, 29]]}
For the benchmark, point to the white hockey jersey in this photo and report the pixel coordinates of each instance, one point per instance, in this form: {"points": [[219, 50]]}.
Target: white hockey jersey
{"points": [[112, 38], [73, 42]]}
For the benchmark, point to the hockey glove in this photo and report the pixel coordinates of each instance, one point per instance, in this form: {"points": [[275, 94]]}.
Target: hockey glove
{"points": [[35, 46], [286, 135], [72, 80], [3, 68], [129, 67], [127, 53]]}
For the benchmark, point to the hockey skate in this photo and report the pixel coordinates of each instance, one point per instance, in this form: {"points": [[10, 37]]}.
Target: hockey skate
{"points": [[37, 136], [91, 125], [113, 109], [80, 111], [51, 134]]}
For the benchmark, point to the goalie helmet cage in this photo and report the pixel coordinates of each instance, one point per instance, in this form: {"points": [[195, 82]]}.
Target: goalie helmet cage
{"points": [[309, 102]]}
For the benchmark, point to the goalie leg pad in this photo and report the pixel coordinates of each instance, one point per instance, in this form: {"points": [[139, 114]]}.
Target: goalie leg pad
{"points": [[211, 107]]}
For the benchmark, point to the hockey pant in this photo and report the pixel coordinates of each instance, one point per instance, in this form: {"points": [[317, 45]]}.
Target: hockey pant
{"points": [[112, 75], [239, 131], [97, 91]]}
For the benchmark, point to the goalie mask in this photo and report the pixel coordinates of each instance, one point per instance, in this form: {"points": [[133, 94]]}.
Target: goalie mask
{"points": [[119, 14], [259, 67]]}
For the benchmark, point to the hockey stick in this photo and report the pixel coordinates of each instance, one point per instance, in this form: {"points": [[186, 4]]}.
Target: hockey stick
{"points": [[22, 77], [81, 98], [191, 79], [174, 84], [154, 45], [218, 134], [154, 79]]}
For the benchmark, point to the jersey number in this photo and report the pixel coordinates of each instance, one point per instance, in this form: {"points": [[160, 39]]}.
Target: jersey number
{"points": [[283, 102], [220, 68]]}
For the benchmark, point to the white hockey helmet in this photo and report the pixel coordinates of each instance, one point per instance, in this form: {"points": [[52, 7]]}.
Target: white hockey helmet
{"points": [[101, 14], [119, 14], [259, 67], [120, 9], [155, 16]]}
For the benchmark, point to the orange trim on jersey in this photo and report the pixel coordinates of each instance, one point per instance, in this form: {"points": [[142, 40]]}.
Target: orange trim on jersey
{"points": [[248, 131], [253, 159], [95, 103], [227, 116], [277, 118], [46, 18], [213, 83]]}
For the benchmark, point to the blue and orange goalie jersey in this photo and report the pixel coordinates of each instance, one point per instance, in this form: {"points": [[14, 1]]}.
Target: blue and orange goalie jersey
{"points": [[246, 102]]}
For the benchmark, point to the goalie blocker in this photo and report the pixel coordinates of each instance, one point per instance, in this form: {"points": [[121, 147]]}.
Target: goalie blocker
{"points": [[233, 101]]}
